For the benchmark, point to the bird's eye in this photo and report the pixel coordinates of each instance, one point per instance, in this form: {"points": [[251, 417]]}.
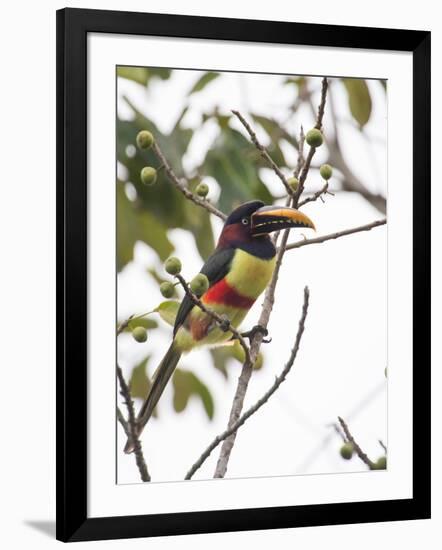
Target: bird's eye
{"points": [[245, 221]]}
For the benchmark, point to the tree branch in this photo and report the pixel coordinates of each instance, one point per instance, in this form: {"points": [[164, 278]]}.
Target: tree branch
{"points": [[316, 196], [264, 152], [182, 187], [337, 235], [246, 372], [131, 428], [371, 465], [269, 299], [252, 410]]}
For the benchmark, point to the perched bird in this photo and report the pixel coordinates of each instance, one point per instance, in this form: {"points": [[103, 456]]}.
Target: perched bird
{"points": [[238, 271]]}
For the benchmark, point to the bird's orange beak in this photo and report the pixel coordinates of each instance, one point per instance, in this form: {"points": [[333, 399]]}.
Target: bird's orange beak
{"points": [[274, 218]]}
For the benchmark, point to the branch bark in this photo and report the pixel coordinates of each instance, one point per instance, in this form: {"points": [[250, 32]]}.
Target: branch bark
{"points": [[264, 152], [183, 187], [336, 235], [252, 410], [269, 299], [130, 426], [371, 465]]}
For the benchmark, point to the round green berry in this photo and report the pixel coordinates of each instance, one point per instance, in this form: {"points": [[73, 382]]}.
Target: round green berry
{"points": [[314, 137], [326, 171], [144, 139], [139, 334], [347, 451], [167, 289], [148, 175], [381, 463], [199, 284], [294, 183], [202, 189], [172, 266]]}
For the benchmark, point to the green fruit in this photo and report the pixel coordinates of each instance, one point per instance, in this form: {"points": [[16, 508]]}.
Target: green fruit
{"points": [[144, 139], [294, 183], [199, 284], [314, 137], [385, 372], [167, 289], [326, 171], [172, 266], [139, 334], [202, 189], [347, 451], [381, 463], [148, 175]]}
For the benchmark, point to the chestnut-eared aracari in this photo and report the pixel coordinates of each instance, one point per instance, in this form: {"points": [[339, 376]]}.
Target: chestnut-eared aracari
{"points": [[238, 271]]}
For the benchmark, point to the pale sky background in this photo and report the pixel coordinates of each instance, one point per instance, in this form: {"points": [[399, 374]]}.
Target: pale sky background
{"points": [[340, 366]]}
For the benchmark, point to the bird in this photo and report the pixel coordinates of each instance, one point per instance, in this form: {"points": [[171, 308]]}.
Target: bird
{"points": [[238, 271]]}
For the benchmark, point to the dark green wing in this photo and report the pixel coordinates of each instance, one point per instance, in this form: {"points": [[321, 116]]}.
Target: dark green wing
{"points": [[216, 267]]}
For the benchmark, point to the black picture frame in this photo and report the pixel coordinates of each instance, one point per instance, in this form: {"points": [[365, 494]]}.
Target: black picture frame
{"points": [[73, 26]]}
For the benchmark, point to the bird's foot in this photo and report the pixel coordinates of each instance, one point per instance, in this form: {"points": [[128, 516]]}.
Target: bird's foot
{"points": [[250, 334]]}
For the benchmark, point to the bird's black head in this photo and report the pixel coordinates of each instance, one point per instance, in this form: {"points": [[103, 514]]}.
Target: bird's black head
{"points": [[242, 214], [249, 225]]}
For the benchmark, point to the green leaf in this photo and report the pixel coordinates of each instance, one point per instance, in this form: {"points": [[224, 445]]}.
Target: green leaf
{"points": [[234, 162], [275, 133], [202, 82], [299, 81], [144, 322], [186, 384], [136, 74], [162, 200], [359, 99], [139, 382], [168, 311], [142, 75], [134, 224], [221, 356]]}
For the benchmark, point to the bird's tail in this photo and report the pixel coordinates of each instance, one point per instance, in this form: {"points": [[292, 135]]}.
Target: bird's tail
{"points": [[161, 377]]}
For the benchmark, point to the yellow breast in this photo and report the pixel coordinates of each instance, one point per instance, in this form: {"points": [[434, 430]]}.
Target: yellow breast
{"points": [[250, 275]]}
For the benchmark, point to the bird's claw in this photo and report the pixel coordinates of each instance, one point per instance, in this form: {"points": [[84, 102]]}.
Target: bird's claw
{"points": [[250, 334]]}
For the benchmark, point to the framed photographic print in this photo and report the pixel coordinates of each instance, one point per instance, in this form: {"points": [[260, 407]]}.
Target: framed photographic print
{"points": [[243, 265]]}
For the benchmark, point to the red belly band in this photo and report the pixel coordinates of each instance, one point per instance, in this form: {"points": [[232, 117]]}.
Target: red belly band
{"points": [[223, 293]]}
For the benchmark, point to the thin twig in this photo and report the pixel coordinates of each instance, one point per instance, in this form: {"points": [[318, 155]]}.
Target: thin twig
{"points": [[182, 186], [301, 158], [223, 322], [336, 235], [315, 196], [123, 325], [131, 424], [252, 410], [264, 152], [382, 444], [123, 422], [312, 150], [371, 465]]}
